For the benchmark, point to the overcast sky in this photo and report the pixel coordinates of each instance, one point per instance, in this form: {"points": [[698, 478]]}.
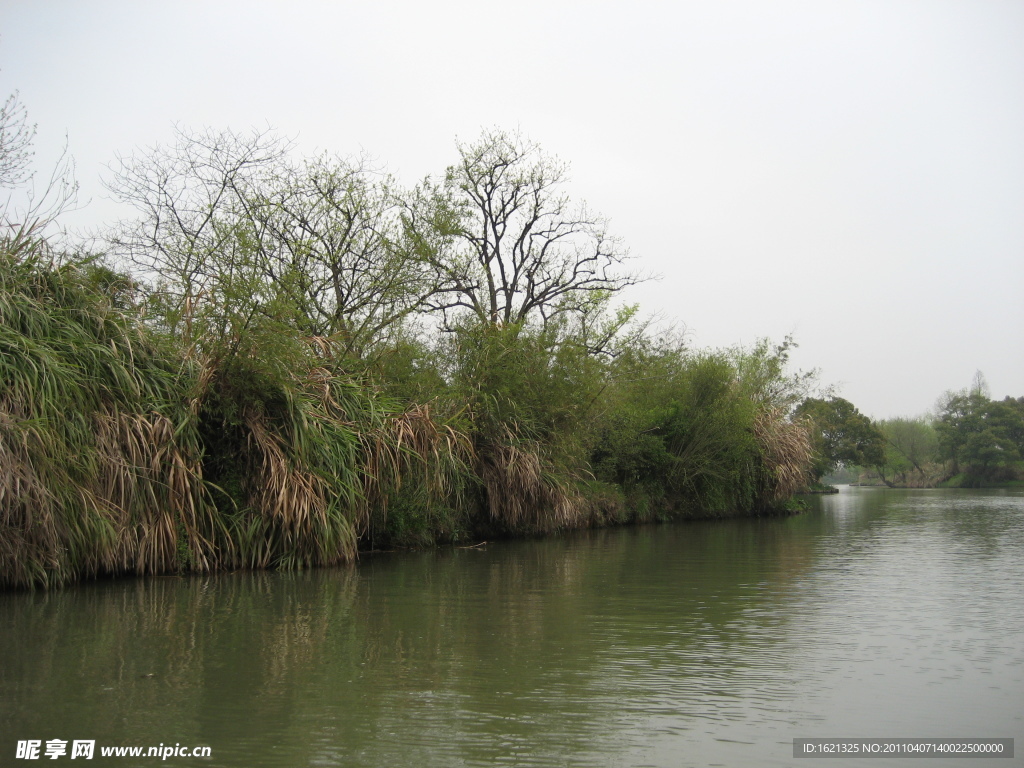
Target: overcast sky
{"points": [[851, 172]]}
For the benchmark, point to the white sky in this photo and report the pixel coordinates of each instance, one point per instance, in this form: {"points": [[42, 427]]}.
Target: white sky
{"points": [[849, 171]]}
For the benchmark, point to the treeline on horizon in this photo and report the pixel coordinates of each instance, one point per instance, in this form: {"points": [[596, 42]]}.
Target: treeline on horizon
{"points": [[969, 441]]}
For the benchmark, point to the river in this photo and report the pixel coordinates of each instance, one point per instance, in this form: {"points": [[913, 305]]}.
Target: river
{"points": [[878, 613]]}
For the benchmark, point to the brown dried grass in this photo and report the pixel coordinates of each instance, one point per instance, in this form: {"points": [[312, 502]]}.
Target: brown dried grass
{"points": [[153, 493], [31, 535], [786, 453], [522, 494], [413, 441], [291, 499]]}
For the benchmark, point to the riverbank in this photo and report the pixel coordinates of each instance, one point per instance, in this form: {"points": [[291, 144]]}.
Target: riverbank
{"points": [[968, 481], [956, 481], [819, 489], [136, 440]]}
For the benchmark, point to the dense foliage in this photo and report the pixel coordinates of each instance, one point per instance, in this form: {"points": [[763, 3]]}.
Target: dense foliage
{"points": [[842, 435], [296, 360], [983, 439]]}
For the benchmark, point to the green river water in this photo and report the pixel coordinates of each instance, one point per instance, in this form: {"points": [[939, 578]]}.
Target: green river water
{"points": [[878, 613]]}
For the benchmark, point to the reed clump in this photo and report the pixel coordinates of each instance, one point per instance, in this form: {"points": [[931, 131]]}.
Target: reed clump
{"points": [[786, 453], [305, 463], [524, 491], [124, 452], [128, 449], [101, 467]]}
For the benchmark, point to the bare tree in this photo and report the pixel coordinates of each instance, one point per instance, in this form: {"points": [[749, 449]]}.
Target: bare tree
{"points": [[190, 235], [229, 222], [16, 136], [337, 240], [27, 212], [521, 250]]}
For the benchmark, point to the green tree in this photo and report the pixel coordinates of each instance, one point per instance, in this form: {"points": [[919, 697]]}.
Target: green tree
{"points": [[910, 445], [980, 437], [960, 415], [1009, 413], [842, 435], [526, 280]]}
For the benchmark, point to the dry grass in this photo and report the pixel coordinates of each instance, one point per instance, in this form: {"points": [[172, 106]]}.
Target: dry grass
{"points": [[413, 442], [292, 503], [95, 476], [786, 452], [320, 457], [152, 493], [31, 536], [521, 494]]}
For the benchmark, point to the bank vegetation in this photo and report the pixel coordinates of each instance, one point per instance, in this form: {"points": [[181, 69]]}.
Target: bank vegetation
{"points": [[280, 362]]}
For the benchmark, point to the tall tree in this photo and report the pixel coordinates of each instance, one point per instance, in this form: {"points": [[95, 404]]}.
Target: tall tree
{"points": [[189, 235], [520, 251], [332, 238], [960, 415], [979, 435]]}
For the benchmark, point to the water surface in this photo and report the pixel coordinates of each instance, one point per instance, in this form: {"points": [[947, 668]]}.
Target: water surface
{"points": [[879, 613]]}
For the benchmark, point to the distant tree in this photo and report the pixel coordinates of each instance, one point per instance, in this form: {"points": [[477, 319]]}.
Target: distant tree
{"points": [[910, 443], [1011, 416], [979, 436], [518, 250], [959, 417], [989, 449], [841, 435]]}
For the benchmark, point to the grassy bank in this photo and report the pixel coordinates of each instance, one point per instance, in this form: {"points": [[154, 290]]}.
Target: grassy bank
{"points": [[129, 447], [280, 362], [963, 480]]}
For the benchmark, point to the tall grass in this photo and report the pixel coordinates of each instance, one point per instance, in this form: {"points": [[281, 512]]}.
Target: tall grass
{"points": [[522, 393], [785, 452], [99, 460], [283, 459], [524, 490], [246, 444], [122, 455], [305, 458]]}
